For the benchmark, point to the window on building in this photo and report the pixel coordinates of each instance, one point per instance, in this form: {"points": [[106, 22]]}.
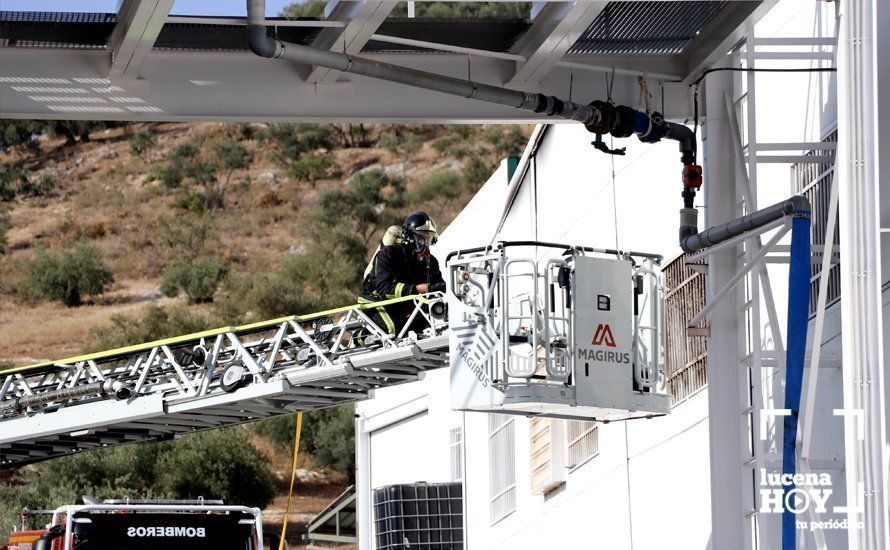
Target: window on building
{"points": [[685, 355], [501, 466], [547, 454], [583, 442], [456, 447], [813, 180]]}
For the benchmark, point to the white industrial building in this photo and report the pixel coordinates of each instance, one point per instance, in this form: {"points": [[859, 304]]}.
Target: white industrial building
{"points": [[785, 97], [649, 483]]}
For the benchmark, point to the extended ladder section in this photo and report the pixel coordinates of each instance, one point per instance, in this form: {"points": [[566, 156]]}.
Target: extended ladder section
{"points": [[212, 379], [575, 335]]}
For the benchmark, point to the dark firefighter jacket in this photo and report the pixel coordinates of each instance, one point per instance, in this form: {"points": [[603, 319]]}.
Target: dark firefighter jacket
{"points": [[395, 271]]}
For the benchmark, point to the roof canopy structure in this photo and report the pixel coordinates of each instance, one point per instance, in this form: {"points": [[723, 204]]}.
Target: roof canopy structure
{"points": [[144, 64]]}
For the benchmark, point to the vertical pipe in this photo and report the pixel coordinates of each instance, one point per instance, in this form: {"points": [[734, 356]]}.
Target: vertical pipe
{"points": [[863, 71], [798, 320], [724, 389]]}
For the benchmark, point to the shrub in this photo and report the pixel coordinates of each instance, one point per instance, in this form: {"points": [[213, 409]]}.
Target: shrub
{"points": [[153, 323], [476, 172], [40, 186], [370, 202], [304, 8], [262, 296], [506, 143], [4, 226], [444, 144], [329, 434], [17, 132], [466, 10], [193, 201], [217, 464], [214, 464], [141, 142], [403, 146], [389, 141], [185, 151], [185, 235], [198, 279], [170, 175], [68, 274], [311, 167], [11, 181], [446, 185], [315, 136]]}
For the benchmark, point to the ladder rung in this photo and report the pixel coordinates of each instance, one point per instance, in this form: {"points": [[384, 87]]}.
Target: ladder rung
{"points": [[794, 159], [799, 146], [750, 462], [794, 55], [795, 41], [747, 410], [747, 305]]}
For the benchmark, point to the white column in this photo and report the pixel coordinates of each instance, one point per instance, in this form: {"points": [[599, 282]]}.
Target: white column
{"points": [[863, 80], [364, 529], [724, 389]]}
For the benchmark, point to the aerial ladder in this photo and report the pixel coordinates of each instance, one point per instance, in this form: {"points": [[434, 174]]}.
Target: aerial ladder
{"points": [[571, 332]]}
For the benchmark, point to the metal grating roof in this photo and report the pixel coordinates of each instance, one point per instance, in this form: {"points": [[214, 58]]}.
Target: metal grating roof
{"points": [[495, 35], [654, 27], [636, 27], [56, 17]]}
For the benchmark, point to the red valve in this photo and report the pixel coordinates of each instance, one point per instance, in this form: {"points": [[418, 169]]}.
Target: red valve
{"points": [[692, 176]]}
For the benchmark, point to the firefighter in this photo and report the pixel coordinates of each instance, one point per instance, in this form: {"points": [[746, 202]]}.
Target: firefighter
{"points": [[402, 266]]}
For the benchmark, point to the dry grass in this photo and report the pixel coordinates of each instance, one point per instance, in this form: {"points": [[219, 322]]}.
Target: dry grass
{"points": [[109, 196]]}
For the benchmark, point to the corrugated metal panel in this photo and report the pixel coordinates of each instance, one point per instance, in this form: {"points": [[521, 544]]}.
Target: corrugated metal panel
{"points": [[93, 30], [657, 27], [55, 17]]}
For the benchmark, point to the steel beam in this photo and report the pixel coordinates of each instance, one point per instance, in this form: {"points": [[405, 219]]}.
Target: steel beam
{"points": [[361, 20], [139, 22], [557, 26], [722, 34]]}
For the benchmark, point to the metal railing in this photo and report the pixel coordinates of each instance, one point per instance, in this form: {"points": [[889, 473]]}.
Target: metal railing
{"points": [[813, 180], [213, 378]]}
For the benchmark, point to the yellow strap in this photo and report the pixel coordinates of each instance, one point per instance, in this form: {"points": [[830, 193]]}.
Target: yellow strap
{"points": [[293, 477], [390, 325]]}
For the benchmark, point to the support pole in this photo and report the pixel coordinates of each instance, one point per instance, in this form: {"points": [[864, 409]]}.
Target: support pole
{"points": [[724, 382]]}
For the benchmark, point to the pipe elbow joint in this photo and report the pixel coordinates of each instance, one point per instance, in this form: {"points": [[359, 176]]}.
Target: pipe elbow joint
{"points": [[686, 232], [685, 136], [798, 204], [262, 44]]}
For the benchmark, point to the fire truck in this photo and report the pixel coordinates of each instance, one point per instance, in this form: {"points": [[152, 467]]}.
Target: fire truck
{"points": [[128, 524]]}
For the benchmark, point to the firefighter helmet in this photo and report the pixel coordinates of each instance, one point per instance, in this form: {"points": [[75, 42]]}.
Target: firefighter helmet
{"points": [[420, 228]]}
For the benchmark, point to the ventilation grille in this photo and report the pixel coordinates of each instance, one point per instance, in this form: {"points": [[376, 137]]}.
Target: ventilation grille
{"points": [[646, 27]]}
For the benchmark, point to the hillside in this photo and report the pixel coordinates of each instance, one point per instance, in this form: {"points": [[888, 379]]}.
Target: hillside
{"points": [[103, 192], [282, 218]]}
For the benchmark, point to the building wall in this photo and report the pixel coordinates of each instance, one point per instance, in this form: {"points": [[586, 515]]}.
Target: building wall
{"points": [[649, 485]]}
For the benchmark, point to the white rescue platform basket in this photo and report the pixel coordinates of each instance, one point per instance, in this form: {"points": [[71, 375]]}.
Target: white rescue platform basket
{"points": [[576, 334]]}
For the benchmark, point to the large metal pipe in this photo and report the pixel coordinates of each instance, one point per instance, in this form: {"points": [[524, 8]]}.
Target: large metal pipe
{"points": [[691, 241], [599, 117], [526, 101]]}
